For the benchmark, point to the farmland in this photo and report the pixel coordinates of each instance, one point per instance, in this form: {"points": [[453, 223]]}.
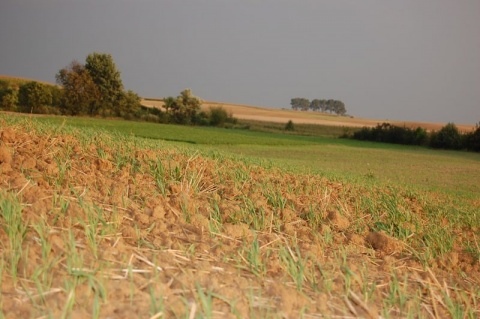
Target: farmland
{"points": [[107, 218], [417, 167]]}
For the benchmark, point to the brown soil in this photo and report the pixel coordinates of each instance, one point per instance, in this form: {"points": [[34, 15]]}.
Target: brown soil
{"points": [[177, 242]]}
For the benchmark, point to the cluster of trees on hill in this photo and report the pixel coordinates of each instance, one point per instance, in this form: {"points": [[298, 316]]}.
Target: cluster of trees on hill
{"points": [[95, 88], [448, 137], [185, 109], [332, 106], [29, 96]]}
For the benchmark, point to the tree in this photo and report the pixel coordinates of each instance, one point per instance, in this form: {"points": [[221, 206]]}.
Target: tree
{"points": [[106, 77], [300, 103], [316, 105], [472, 140], [447, 138], [339, 107], [33, 97], [57, 94], [183, 108], [329, 105], [96, 88], [8, 95], [128, 104], [295, 103], [80, 94], [9, 99], [323, 105]]}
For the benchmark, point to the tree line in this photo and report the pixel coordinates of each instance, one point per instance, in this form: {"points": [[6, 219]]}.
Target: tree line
{"points": [[332, 106], [448, 137], [95, 88]]}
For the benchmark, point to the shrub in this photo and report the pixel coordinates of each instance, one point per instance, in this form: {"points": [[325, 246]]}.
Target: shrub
{"points": [[388, 133], [34, 97], [150, 118], [289, 126], [9, 99], [218, 116], [447, 138], [472, 140]]}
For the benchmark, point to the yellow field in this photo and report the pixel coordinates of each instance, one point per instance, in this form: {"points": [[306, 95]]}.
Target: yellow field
{"points": [[247, 112]]}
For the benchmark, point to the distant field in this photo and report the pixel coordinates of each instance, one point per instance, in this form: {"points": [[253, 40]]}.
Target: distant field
{"points": [[247, 112], [277, 115]]}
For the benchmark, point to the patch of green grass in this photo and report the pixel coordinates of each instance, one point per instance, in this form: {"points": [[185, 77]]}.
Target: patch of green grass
{"points": [[15, 227], [299, 128], [181, 133], [451, 172]]}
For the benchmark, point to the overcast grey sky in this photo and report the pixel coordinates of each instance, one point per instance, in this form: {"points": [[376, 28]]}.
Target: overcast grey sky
{"points": [[385, 59]]}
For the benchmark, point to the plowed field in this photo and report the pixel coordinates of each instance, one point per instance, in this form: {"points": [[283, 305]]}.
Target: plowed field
{"points": [[96, 225]]}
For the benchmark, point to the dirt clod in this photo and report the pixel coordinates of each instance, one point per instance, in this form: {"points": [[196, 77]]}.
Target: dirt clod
{"points": [[5, 155], [338, 221], [384, 243]]}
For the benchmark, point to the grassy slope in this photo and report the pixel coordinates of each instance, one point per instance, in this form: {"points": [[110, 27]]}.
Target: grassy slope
{"points": [[18, 81]]}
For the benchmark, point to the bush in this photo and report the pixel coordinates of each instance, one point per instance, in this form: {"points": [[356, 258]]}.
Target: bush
{"points": [[150, 118], [447, 138], [34, 97], [148, 114], [218, 116], [9, 99], [289, 126], [388, 133], [472, 140]]}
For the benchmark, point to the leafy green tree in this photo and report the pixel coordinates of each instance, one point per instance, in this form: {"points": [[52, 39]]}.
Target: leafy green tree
{"points": [[34, 97], [9, 99], [339, 107], [295, 103], [8, 96], [316, 105], [128, 104], [80, 94], [300, 103], [106, 77], [184, 108], [96, 88], [57, 94], [329, 105], [323, 105]]}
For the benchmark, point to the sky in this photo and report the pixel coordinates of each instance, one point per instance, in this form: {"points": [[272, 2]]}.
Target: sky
{"points": [[412, 60]]}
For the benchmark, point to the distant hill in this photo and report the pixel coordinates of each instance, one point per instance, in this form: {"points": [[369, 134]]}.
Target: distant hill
{"points": [[258, 113], [248, 112], [17, 81]]}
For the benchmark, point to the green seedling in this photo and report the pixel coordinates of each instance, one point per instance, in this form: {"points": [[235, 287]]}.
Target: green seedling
{"points": [[15, 228]]}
